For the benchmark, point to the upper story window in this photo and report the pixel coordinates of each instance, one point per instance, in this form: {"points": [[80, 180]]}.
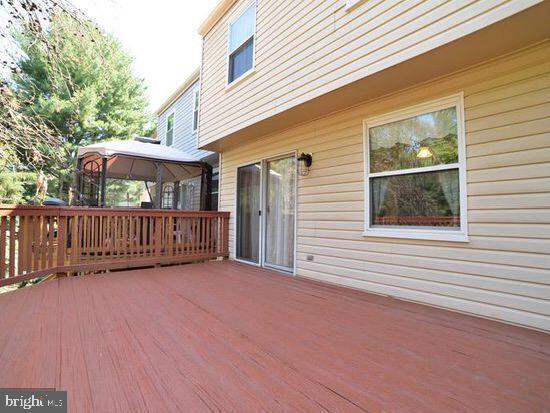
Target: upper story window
{"points": [[196, 98], [415, 173], [170, 130], [241, 44]]}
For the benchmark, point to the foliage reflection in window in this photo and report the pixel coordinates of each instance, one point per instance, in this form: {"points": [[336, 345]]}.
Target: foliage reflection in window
{"points": [[414, 172]]}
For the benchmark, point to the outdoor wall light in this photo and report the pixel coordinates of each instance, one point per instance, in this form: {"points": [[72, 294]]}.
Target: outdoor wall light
{"points": [[304, 163]]}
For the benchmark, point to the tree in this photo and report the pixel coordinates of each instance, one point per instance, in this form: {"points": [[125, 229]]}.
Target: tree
{"points": [[92, 96], [23, 139], [77, 81]]}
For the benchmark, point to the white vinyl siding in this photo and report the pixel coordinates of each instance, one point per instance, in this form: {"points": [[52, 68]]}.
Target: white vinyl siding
{"points": [[351, 3], [185, 137], [305, 49], [503, 271]]}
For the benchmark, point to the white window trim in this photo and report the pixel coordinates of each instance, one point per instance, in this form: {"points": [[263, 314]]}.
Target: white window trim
{"points": [[411, 232], [252, 70], [196, 105], [168, 114]]}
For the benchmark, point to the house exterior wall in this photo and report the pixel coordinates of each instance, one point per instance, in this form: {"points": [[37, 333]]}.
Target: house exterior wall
{"points": [[185, 138], [304, 49], [503, 272]]}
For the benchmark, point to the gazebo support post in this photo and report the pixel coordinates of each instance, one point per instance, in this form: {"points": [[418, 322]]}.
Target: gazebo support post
{"points": [[206, 187], [103, 202], [77, 182], [176, 195], [158, 187]]}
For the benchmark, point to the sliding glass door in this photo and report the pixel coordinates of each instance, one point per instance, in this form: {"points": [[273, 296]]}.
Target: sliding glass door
{"points": [[266, 213], [249, 205], [280, 204]]}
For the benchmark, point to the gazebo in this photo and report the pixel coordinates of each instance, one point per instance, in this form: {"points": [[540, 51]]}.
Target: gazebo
{"points": [[142, 159]]}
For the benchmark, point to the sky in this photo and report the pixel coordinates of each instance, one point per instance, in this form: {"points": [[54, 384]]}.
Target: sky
{"points": [[161, 36]]}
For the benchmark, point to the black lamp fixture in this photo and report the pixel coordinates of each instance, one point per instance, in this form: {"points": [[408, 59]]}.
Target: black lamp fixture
{"points": [[304, 163]]}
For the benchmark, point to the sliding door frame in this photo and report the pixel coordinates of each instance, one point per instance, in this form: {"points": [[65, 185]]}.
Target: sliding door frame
{"points": [[260, 229], [263, 202]]}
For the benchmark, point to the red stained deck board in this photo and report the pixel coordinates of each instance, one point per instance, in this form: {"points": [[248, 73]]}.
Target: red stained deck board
{"points": [[231, 337]]}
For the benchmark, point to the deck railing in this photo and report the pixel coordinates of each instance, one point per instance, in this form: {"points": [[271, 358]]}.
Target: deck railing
{"points": [[36, 240]]}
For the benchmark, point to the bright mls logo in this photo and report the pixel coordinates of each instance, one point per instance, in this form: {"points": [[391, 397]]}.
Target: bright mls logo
{"points": [[33, 400]]}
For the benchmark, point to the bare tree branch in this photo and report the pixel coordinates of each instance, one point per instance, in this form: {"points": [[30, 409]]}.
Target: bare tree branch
{"points": [[25, 136]]}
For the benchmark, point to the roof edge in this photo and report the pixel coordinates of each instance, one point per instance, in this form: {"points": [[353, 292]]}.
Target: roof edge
{"points": [[187, 83], [219, 11]]}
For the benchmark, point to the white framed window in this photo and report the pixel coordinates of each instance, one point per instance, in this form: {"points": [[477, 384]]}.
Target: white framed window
{"points": [[196, 100], [170, 129], [241, 45], [415, 172]]}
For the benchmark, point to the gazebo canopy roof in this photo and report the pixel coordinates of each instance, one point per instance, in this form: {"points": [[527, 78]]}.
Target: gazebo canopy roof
{"points": [[130, 159]]}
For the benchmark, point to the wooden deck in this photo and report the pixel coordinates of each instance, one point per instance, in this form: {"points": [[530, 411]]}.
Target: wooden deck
{"points": [[229, 337]]}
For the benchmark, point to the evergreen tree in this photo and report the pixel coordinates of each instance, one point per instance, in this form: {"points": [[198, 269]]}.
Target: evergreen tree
{"points": [[87, 93]]}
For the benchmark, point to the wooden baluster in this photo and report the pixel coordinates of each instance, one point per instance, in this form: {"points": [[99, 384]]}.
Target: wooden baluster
{"points": [[61, 241], [106, 237], [84, 245], [112, 231], [131, 237], [140, 234], [170, 236], [125, 235], [203, 234], [95, 247], [192, 240], [3, 231], [219, 238], [79, 238], [74, 240], [51, 241], [21, 234], [209, 235], [13, 236], [225, 236], [29, 247], [188, 235], [158, 236], [176, 236], [120, 243], [116, 238], [36, 248], [144, 236], [151, 236], [44, 243], [197, 235], [23, 245], [214, 236], [101, 240], [199, 240], [166, 237], [180, 236], [89, 233]]}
